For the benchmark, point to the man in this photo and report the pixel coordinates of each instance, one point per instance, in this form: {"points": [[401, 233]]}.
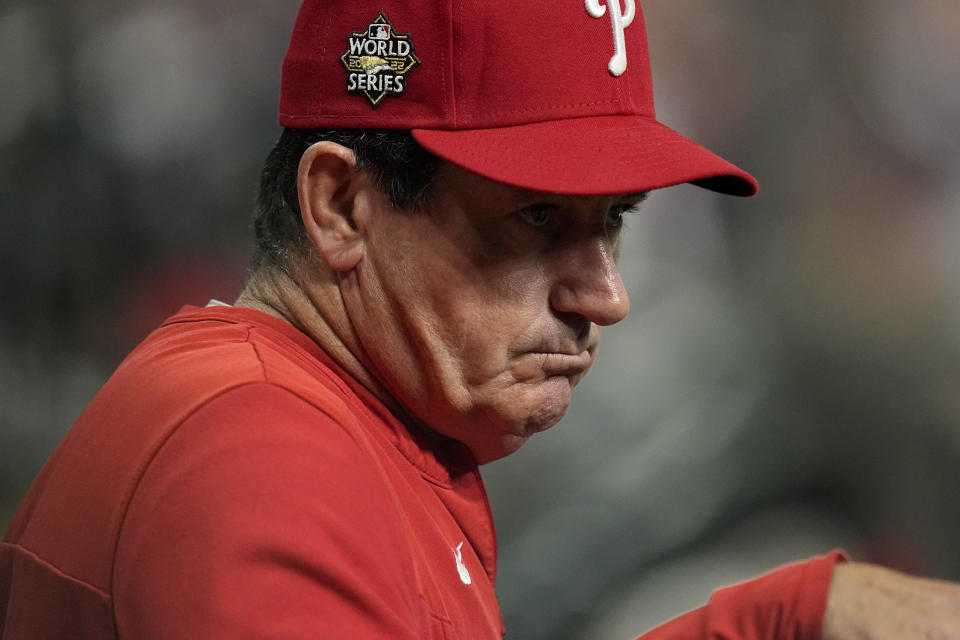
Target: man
{"points": [[436, 253]]}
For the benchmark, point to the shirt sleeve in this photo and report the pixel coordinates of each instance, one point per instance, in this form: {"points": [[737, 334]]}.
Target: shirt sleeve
{"points": [[786, 604], [261, 517]]}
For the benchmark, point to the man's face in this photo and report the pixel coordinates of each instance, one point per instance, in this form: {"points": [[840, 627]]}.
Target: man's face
{"points": [[481, 313]]}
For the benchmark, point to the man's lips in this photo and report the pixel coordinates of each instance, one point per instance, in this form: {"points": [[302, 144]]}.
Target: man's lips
{"points": [[562, 363]]}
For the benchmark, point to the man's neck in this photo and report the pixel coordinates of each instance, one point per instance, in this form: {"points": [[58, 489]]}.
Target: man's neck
{"points": [[318, 311]]}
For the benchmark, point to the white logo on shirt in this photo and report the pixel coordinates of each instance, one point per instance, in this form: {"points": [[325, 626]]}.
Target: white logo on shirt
{"points": [[461, 568], [619, 22]]}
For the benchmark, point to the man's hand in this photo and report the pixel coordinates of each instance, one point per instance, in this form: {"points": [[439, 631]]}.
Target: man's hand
{"points": [[867, 602]]}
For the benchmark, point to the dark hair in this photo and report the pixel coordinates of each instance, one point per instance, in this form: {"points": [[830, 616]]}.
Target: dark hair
{"points": [[401, 168]]}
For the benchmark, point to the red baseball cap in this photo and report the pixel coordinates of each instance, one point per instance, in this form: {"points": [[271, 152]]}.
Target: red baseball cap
{"points": [[548, 95]]}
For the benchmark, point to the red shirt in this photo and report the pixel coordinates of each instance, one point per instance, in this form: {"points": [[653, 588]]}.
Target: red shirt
{"points": [[231, 481]]}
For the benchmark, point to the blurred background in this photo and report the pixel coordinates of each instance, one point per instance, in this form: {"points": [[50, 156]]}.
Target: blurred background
{"points": [[787, 380]]}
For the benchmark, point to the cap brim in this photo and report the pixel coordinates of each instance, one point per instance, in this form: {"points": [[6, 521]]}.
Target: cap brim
{"points": [[599, 155]]}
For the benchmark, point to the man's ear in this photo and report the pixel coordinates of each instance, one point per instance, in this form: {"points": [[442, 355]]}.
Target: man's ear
{"points": [[328, 184]]}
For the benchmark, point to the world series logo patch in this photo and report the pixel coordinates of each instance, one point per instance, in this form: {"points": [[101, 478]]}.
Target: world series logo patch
{"points": [[378, 60]]}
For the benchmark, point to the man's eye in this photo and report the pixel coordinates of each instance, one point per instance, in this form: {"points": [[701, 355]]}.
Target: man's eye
{"points": [[537, 216], [615, 218]]}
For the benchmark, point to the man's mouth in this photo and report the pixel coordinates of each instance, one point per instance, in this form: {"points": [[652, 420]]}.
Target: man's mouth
{"points": [[559, 363]]}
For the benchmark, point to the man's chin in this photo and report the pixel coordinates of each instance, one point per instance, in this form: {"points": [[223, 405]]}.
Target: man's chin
{"points": [[509, 423], [552, 403], [510, 441]]}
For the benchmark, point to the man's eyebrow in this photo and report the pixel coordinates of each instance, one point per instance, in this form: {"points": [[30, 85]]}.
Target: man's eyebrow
{"points": [[631, 200]]}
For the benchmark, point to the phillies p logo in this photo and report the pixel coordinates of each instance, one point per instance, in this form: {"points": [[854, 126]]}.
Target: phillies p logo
{"points": [[619, 21]]}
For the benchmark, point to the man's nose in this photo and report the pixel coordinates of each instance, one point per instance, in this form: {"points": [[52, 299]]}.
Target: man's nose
{"points": [[588, 282]]}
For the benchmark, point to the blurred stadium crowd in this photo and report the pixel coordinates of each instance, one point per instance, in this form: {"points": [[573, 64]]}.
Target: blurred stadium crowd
{"points": [[787, 381]]}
